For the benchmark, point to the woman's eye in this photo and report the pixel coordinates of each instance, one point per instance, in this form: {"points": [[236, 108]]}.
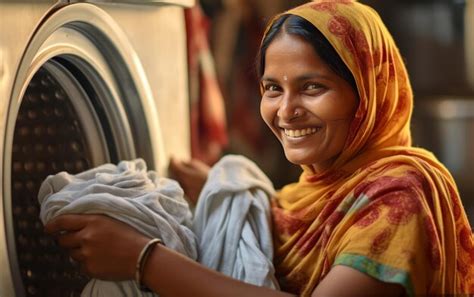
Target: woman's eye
{"points": [[271, 88], [313, 88]]}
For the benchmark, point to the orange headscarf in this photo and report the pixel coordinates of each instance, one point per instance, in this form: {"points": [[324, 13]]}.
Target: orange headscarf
{"points": [[384, 208]]}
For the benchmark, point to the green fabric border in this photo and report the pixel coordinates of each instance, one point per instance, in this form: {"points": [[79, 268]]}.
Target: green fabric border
{"points": [[377, 270]]}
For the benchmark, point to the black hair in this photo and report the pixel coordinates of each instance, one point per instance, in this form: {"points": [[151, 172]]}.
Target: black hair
{"points": [[296, 25]]}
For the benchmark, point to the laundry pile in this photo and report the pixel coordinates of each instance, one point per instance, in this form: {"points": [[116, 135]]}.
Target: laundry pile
{"points": [[229, 232]]}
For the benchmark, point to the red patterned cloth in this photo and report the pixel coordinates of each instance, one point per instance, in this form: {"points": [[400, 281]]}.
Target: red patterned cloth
{"points": [[207, 112]]}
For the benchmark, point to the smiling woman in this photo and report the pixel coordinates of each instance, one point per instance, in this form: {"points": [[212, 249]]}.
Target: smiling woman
{"points": [[308, 106], [336, 94]]}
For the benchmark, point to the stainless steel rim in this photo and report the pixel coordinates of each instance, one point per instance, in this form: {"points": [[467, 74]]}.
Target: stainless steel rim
{"points": [[85, 111]]}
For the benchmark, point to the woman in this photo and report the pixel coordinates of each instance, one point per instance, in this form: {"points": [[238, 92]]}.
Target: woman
{"points": [[370, 215]]}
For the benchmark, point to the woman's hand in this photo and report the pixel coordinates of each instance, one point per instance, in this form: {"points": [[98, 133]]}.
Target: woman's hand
{"points": [[191, 175], [104, 247]]}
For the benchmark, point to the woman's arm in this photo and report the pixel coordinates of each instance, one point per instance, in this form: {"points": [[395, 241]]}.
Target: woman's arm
{"points": [[109, 249], [171, 274], [344, 281]]}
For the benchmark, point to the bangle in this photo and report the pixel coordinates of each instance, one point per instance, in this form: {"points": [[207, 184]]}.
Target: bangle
{"points": [[142, 260]]}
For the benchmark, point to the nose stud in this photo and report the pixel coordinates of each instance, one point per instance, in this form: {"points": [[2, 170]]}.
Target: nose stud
{"points": [[290, 115], [296, 114]]}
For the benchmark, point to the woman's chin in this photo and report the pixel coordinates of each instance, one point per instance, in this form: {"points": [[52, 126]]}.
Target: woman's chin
{"points": [[298, 159]]}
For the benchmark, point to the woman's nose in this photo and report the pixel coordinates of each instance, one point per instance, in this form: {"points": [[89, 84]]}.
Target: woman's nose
{"points": [[289, 108]]}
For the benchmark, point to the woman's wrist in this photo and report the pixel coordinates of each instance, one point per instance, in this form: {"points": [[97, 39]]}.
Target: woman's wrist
{"points": [[150, 267], [143, 260]]}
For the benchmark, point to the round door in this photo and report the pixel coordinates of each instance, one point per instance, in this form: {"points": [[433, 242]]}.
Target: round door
{"points": [[80, 99]]}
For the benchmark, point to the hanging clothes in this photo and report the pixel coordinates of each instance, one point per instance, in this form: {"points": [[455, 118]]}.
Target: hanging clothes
{"points": [[207, 112]]}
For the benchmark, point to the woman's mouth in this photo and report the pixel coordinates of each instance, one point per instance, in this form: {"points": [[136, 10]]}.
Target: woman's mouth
{"points": [[296, 133]]}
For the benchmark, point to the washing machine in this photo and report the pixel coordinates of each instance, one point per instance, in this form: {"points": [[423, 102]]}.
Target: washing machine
{"points": [[82, 83]]}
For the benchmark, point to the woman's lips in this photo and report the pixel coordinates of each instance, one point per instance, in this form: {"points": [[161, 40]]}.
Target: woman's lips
{"points": [[295, 133]]}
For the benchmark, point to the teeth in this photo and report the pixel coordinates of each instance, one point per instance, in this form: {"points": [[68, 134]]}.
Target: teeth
{"points": [[301, 132]]}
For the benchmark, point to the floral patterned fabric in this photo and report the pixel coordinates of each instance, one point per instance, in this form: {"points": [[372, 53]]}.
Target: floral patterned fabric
{"points": [[385, 208]]}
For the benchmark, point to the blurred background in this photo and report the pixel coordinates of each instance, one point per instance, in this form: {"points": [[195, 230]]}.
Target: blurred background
{"points": [[436, 39]]}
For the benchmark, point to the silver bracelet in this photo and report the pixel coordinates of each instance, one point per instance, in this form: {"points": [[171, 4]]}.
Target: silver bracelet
{"points": [[142, 260]]}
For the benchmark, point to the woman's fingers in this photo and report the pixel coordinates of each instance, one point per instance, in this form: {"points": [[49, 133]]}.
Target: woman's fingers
{"points": [[70, 240], [65, 223], [191, 175], [199, 166], [186, 168], [176, 165], [77, 255], [103, 247]]}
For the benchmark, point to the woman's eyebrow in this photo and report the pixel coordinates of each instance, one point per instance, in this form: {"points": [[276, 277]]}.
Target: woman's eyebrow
{"points": [[313, 76], [268, 78], [303, 77]]}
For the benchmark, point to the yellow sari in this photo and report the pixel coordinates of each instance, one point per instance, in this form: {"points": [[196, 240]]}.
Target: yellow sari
{"points": [[385, 208]]}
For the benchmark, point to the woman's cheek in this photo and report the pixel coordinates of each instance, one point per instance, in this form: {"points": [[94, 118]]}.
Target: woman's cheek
{"points": [[265, 111]]}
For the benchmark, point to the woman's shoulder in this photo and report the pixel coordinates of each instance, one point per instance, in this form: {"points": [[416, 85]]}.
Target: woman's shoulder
{"points": [[411, 185], [411, 163], [406, 187], [386, 176]]}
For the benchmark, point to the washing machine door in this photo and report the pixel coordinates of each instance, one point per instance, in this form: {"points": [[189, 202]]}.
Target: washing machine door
{"points": [[80, 99]]}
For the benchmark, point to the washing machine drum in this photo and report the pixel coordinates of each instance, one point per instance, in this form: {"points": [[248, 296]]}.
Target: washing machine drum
{"points": [[80, 96], [59, 127]]}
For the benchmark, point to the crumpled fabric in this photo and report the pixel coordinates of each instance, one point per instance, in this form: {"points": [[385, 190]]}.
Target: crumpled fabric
{"points": [[232, 222], [230, 231], [129, 193]]}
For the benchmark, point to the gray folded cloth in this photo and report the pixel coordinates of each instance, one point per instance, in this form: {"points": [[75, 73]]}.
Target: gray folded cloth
{"points": [[129, 193], [232, 222]]}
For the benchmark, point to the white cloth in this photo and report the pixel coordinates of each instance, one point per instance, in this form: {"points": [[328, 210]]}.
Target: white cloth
{"points": [[127, 192], [232, 222], [232, 219]]}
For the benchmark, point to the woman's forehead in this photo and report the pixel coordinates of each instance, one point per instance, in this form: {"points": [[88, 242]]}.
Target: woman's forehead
{"points": [[292, 54]]}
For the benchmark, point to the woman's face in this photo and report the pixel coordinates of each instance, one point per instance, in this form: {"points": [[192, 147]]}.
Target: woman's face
{"points": [[307, 106]]}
